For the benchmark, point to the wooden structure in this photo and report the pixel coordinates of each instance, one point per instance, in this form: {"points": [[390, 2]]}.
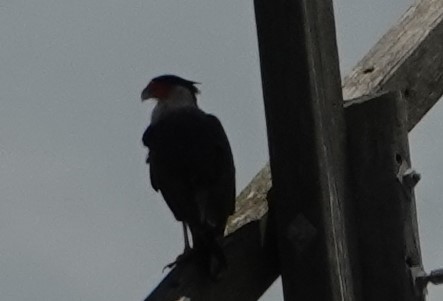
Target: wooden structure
{"points": [[305, 121], [341, 222]]}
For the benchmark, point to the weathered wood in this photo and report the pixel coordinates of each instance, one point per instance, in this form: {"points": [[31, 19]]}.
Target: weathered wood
{"points": [[384, 204], [251, 203], [408, 57], [252, 269], [304, 114], [415, 64]]}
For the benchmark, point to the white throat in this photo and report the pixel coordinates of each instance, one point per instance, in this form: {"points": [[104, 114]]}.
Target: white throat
{"points": [[179, 98]]}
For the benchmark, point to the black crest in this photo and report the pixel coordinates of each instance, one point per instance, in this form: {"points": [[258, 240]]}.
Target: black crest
{"points": [[176, 80]]}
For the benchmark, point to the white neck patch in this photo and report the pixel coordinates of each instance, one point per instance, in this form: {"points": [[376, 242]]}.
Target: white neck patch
{"points": [[179, 98]]}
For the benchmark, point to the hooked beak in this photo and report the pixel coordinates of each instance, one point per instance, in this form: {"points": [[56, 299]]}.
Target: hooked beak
{"points": [[146, 94]]}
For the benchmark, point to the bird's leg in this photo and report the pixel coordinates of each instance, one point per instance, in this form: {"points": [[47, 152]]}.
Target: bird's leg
{"points": [[187, 253], [185, 234]]}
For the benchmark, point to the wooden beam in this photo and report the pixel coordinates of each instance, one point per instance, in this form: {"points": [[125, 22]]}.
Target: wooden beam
{"points": [[383, 198], [408, 57], [251, 203], [252, 269], [306, 134]]}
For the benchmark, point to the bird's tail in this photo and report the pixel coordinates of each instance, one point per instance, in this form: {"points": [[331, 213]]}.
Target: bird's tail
{"points": [[208, 246]]}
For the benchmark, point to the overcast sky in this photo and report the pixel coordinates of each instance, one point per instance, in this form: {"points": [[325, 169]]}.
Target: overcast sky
{"points": [[78, 219]]}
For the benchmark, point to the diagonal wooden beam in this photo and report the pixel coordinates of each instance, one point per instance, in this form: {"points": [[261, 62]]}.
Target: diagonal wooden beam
{"points": [[252, 269], [408, 57]]}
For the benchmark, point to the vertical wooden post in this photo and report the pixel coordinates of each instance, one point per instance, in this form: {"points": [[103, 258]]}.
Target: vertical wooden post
{"points": [[384, 202], [304, 114]]}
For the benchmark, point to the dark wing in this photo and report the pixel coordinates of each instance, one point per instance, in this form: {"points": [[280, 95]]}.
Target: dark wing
{"points": [[191, 164], [148, 141], [166, 166], [221, 198]]}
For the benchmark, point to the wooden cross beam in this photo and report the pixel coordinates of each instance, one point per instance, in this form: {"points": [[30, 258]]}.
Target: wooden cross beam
{"points": [[251, 269], [409, 56]]}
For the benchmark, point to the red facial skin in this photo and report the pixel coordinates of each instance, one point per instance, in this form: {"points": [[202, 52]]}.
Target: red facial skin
{"points": [[158, 90]]}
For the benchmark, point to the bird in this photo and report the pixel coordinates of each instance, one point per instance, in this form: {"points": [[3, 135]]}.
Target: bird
{"points": [[191, 164]]}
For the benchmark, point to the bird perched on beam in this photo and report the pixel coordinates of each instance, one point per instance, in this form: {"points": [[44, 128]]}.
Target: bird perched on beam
{"points": [[191, 164]]}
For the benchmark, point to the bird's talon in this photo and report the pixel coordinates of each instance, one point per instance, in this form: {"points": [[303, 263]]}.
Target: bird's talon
{"points": [[169, 266], [180, 259]]}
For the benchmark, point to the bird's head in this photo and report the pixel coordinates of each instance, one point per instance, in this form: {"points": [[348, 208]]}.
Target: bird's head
{"points": [[166, 86]]}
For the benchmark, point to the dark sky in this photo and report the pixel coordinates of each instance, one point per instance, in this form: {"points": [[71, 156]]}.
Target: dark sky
{"points": [[78, 219]]}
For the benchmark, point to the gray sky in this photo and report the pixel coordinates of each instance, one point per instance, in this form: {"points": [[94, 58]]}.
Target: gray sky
{"points": [[78, 219]]}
